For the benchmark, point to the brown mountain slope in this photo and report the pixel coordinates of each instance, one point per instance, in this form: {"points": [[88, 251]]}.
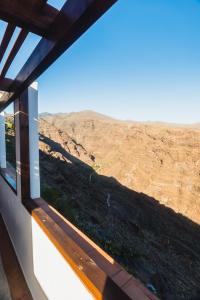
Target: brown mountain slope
{"points": [[157, 245], [160, 161]]}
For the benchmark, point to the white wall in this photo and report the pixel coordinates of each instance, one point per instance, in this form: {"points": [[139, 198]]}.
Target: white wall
{"points": [[2, 141], [19, 225], [34, 141], [47, 273]]}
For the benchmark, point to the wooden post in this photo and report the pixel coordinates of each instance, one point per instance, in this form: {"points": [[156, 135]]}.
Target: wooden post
{"points": [[27, 144], [22, 135]]}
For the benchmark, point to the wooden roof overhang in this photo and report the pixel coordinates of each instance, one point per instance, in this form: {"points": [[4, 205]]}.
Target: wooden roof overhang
{"points": [[58, 31]]}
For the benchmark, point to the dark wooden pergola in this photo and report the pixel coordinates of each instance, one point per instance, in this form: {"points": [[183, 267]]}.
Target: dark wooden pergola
{"points": [[58, 31]]}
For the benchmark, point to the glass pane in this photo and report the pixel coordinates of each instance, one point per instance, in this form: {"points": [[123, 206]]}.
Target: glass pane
{"points": [[8, 167]]}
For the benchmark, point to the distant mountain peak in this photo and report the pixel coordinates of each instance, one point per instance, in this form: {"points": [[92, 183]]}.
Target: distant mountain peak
{"points": [[45, 114]]}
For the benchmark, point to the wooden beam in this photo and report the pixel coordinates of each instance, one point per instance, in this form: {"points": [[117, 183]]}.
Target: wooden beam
{"points": [[18, 43], [73, 20], [34, 16], [5, 84], [6, 39]]}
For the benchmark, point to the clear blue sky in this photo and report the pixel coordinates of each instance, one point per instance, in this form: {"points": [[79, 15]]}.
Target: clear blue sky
{"points": [[141, 61]]}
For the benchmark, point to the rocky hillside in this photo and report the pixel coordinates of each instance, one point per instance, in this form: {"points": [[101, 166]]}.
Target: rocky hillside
{"points": [[134, 189], [156, 159]]}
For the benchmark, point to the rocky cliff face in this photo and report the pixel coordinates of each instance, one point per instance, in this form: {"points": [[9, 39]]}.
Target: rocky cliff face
{"points": [[134, 189]]}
